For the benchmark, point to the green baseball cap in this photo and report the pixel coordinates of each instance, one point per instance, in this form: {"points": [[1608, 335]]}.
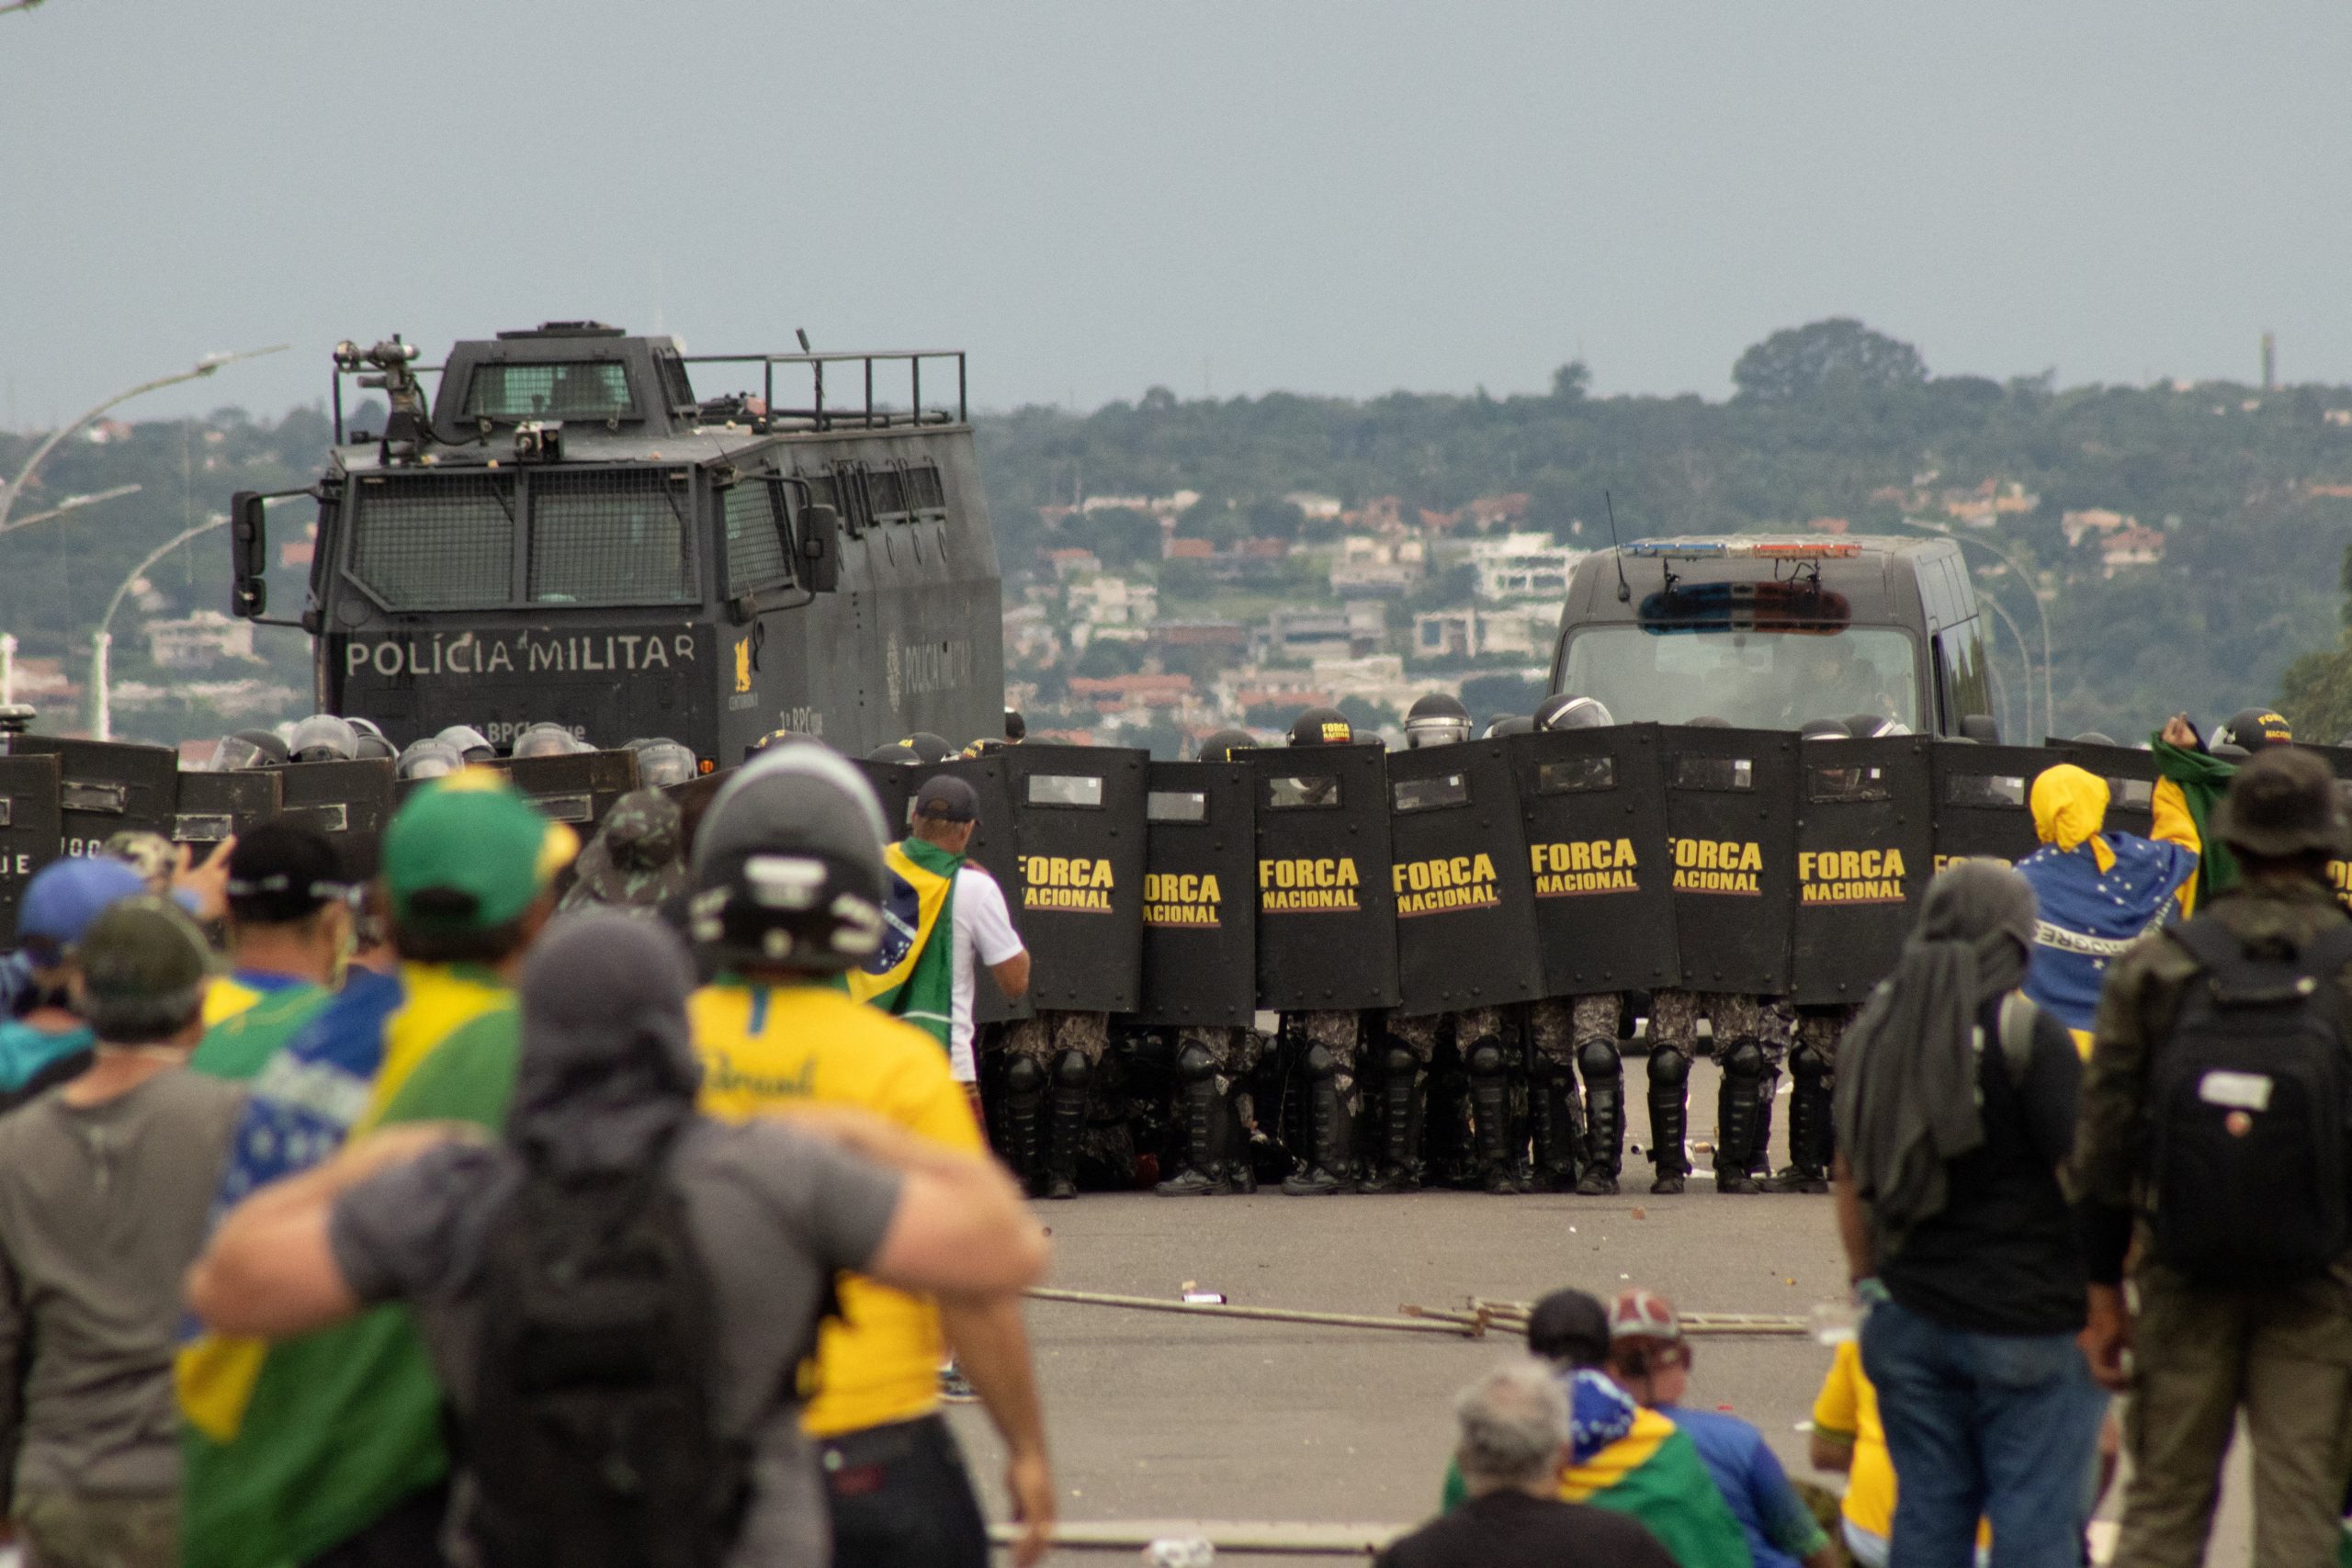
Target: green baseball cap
{"points": [[467, 853]]}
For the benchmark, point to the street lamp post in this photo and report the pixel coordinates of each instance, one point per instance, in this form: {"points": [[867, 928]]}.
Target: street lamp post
{"points": [[203, 367], [72, 504], [101, 708], [2049, 705]]}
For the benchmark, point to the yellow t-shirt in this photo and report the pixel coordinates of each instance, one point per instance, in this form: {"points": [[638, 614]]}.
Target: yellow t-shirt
{"points": [[766, 1049], [1847, 1406]]}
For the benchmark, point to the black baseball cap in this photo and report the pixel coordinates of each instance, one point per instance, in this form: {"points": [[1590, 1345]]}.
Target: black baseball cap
{"points": [[1569, 1325], [944, 799], [281, 872]]}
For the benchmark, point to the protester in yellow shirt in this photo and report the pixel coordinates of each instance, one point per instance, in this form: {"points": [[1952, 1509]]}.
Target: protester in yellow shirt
{"points": [[789, 891], [1847, 1436]]}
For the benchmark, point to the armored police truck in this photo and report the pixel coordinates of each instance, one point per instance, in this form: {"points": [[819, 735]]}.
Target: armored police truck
{"points": [[1771, 633], [569, 530]]}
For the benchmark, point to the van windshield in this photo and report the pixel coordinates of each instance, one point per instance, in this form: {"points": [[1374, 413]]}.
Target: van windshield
{"points": [[1752, 680]]}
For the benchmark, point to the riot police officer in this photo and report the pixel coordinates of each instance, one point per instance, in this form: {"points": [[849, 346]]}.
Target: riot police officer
{"points": [[1329, 1041], [1211, 1112], [1577, 1034], [1439, 719]]}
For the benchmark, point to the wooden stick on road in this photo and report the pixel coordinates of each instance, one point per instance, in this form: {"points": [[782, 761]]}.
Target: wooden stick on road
{"points": [[1458, 1330]]}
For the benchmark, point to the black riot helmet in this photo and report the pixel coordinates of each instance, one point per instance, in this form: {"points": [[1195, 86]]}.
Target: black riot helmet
{"points": [[322, 738], [1221, 746], [1564, 710], [1436, 719], [1016, 727], [2253, 728], [471, 743], [374, 744], [930, 748], [772, 738], [1322, 726], [897, 752], [1510, 724], [2093, 738], [787, 866], [249, 748], [982, 745]]}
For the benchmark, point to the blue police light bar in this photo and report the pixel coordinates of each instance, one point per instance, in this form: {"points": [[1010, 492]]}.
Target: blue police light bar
{"points": [[1662, 549]]}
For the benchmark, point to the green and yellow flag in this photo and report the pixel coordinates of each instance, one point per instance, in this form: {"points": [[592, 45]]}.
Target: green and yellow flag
{"points": [[910, 975]]}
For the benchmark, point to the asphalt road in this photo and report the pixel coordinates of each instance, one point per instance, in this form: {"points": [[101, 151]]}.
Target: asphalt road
{"points": [[1163, 1417]]}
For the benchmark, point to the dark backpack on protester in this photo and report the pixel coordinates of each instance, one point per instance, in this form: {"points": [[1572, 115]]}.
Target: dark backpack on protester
{"points": [[594, 1443], [2250, 1113]]}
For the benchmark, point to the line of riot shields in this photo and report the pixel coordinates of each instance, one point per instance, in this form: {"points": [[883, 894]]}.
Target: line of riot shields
{"points": [[1478, 874], [68, 797]]}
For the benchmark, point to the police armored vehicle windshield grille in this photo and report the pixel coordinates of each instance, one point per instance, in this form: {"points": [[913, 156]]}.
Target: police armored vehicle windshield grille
{"points": [[612, 537], [436, 541]]}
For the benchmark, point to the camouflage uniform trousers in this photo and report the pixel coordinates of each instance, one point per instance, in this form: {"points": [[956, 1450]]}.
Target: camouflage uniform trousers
{"points": [[1421, 1034], [1044, 1037]]}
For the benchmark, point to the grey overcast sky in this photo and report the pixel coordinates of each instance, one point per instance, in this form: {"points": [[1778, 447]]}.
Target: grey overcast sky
{"points": [[1094, 199]]}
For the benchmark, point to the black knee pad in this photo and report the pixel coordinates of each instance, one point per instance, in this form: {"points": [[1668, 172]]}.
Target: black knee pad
{"points": [[1669, 1068], [1599, 1059], [1193, 1062], [1808, 1062], [1484, 1060], [1745, 1059], [1320, 1062], [1401, 1062], [1072, 1070], [1022, 1075]]}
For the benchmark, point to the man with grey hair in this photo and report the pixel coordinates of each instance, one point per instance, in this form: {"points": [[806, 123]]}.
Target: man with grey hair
{"points": [[1513, 1446]]}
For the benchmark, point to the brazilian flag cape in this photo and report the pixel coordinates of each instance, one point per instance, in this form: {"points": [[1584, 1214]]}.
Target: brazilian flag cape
{"points": [[910, 975], [2203, 780]]}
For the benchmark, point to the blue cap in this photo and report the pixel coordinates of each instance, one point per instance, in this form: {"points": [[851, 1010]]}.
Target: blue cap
{"points": [[65, 896]]}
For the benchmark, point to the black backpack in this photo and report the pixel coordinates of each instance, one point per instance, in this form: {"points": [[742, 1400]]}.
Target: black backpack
{"points": [[2250, 1109], [594, 1443]]}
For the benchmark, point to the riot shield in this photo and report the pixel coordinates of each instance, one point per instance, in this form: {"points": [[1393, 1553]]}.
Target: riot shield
{"points": [[30, 829], [106, 787], [577, 789], [214, 807], [1981, 795], [1327, 913], [1731, 832], [1865, 851], [1200, 918], [349, 801], [1077, 889], [894, 786], [1466, 897], [2131, 776], [1593, 805]]}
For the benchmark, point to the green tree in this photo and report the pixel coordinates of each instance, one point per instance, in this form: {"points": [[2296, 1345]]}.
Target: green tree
{"points": [[2315, 694], [1838, 355], [1104, 657]]}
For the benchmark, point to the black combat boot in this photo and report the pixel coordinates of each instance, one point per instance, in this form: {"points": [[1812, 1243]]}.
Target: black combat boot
{"points": [[1021, 1117], [1737, 1098], [1810, 1124], [1199, 1118], [1670, 1079], [1557, 1135], [1325, 1169], [1490, 1107], [1400, 1093], [1604, 1123], [1066, 1122]]}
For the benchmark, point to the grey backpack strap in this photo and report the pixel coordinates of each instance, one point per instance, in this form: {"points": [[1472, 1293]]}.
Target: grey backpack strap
{"points": [[2019, 1016]]}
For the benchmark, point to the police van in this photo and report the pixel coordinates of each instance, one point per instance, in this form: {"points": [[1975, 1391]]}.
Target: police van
{"points": [[1774, 633], [569, 530]]}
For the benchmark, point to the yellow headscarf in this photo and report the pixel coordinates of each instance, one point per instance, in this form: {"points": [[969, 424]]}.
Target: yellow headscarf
{"points": [[2069, 809]]}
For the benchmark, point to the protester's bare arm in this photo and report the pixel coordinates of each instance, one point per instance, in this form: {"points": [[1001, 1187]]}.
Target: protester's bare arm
{"points": [[1013, 975], [269, 1270], [2107, 1335], [1853, 1227], [961, 1227], [991, 1348], [1830, 1450]]}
